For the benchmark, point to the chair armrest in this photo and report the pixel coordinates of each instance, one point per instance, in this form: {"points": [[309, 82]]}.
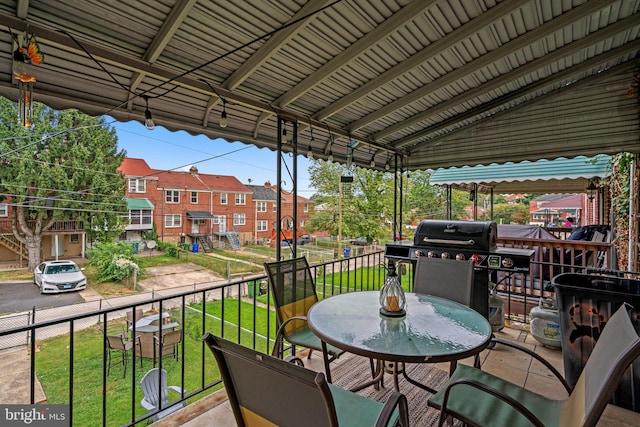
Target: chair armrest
{"points": [[280, 333], [176, 389], [492, 391], [396, 400], [147, 405], [540, 359]]}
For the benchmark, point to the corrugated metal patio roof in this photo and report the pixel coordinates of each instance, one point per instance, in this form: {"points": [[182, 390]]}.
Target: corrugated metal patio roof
{"points": [[429, 83], [565, 175]]}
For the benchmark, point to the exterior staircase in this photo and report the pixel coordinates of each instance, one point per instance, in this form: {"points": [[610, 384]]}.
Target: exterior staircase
{"points": [[9, 241], [234, 241], [205, 243]]}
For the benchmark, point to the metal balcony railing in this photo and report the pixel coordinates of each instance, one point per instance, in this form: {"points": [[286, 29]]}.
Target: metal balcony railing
{"points": [[239, 310]]}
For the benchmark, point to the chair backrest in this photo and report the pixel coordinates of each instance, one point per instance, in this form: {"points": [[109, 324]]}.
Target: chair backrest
{"points": [[264, 390], [617, 347], [293, 289], [445, 278], [115, 342], [172, 337], [149, 384], [133, 317]]}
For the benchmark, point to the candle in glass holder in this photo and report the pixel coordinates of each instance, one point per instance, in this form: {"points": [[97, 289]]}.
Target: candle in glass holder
{"points": [[392, 303]]}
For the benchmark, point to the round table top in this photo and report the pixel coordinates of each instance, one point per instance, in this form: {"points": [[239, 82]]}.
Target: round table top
{"points": [[433, 330]]}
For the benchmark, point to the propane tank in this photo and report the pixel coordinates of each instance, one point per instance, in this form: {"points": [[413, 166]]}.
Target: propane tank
{"points": [[496, 309], [545, 323]]}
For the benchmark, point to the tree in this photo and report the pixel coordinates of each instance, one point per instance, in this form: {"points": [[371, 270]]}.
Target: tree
{"points": [[367, 202], [63, 168]]}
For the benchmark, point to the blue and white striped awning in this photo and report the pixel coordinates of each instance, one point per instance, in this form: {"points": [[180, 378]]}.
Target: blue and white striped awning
{"points": [[559, 175]]}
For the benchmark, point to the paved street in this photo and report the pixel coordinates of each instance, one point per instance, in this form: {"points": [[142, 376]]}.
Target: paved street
{"points": [[23, 296]]}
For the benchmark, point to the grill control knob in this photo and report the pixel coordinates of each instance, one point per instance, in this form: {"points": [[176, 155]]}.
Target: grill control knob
{"points": [[445, 255], [419, 253], [507, 263], [460, 257], [432, 254]]}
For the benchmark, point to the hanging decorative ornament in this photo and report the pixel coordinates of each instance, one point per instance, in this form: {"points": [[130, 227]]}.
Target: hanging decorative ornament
{"points": [[392, 298], [22, 73]]}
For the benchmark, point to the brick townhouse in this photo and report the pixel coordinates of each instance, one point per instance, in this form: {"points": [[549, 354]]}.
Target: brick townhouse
{"points": [[211, 210]]}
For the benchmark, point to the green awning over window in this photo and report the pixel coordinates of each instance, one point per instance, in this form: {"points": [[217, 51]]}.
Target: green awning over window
{"points": [[135, 203]]}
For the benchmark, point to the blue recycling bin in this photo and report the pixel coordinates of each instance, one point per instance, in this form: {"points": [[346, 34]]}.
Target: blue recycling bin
{"points": [[194, 247], [136, 247], [346, 252]]}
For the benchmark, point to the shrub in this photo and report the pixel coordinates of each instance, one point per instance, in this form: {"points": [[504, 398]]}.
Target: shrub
{"points": [[114, 262]]}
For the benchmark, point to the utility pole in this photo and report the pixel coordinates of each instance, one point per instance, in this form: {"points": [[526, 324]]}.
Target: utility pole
{"points": [[340, 216]]}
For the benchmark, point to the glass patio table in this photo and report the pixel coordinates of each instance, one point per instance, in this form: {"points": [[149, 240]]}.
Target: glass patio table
{"points": [[433, 330]]}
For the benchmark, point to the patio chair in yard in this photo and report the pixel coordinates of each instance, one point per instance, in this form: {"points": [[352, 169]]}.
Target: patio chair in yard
{"points": [[294, 292], [120, 345], [481, 399], [171, 339], [156, 394], [264, 390]]}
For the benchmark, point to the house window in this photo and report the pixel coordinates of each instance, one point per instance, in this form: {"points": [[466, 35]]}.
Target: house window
{"points": [[261, 226], [216, 219], [238, 219], [139, 216], [275, 207], [172, 196], [261, 206], [302, 223], [172, 221], [241, 199], [223, 198], [305, 207], [194, 197], [4, 209], [74, 238], [137, 185]]}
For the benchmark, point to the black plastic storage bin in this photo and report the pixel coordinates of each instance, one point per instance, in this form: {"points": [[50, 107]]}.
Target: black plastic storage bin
{"points": [[585, 303]]}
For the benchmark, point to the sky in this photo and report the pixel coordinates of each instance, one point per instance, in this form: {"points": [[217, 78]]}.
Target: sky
{"points": [[166, 150]]}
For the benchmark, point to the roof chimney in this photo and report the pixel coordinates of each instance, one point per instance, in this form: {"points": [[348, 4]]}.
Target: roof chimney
{"points": [[267, 184], [193, 170]]}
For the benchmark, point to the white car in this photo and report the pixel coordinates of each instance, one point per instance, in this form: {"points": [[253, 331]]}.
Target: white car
{"points": [[59, 276]]}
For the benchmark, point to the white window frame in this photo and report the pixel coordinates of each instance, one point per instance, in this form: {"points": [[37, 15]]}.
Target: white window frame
{"points": [[239, 219], [241, 199], [173, 221], [4, 210], [194, 197], [275, 206], [172, 196], [262, 225], [305, 207], [261, 206], [223, 198], [137, 185]]}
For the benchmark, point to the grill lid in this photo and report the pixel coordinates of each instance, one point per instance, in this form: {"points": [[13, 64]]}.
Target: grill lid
{"points": [[480, 235]]}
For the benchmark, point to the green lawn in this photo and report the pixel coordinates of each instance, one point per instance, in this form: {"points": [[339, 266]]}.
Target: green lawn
{"points": [[52, 363], [53, 359]]}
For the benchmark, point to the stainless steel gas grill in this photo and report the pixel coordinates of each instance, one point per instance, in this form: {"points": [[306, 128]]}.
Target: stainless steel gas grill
{"points": [[464, 240]]}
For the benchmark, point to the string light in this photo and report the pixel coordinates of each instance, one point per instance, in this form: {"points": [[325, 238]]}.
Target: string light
{"points": [[309, 153], [284, 134], [223, 115], [373, 162], [148, 120]]}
